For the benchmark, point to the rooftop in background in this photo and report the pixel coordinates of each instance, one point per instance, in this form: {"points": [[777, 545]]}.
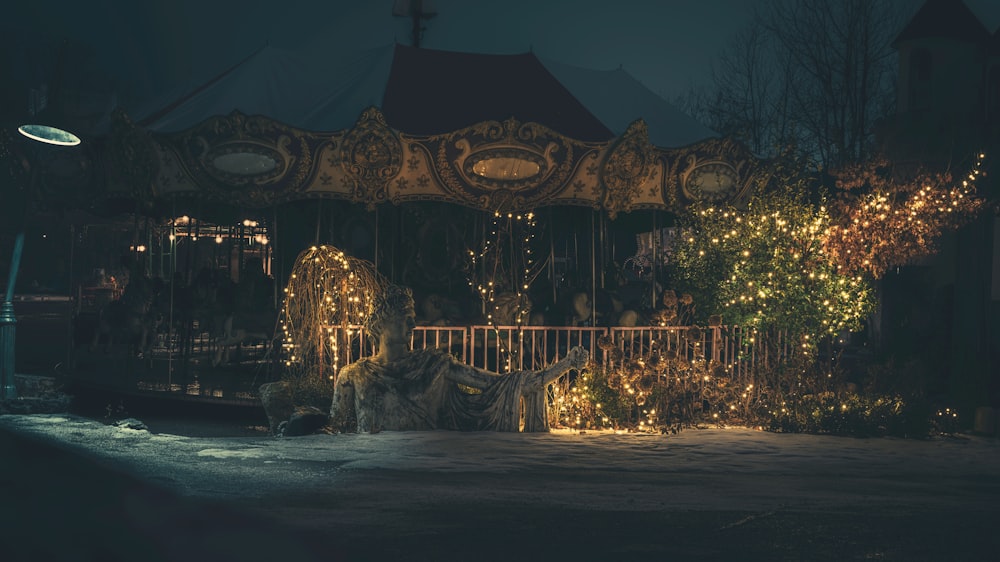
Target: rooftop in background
{"points": [[950, 19]]}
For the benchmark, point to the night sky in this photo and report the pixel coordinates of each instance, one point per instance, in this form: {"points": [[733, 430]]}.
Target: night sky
{"points": [[136, 49]]}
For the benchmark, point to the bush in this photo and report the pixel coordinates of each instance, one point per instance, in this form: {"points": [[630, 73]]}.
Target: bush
{"points": [[796, 396]]}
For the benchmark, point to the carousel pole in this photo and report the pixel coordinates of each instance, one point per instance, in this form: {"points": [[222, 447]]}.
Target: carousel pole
{"points": [[397, 244], [482, 261], [604, 259], [270, 268], [376, 239], [149, 250], [653, 241], [319, 220], [552, 255], [71, 282], [593, 271], [576, 255]]}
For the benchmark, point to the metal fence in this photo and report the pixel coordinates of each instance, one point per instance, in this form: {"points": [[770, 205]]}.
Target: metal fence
{"points": [[512, 348]]}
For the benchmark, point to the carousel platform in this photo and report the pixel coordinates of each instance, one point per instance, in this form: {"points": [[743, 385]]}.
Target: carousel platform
{"points": [[163, 380]]}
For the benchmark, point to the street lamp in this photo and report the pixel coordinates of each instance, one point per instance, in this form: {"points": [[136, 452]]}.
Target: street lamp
{"points": [[40, 137]]}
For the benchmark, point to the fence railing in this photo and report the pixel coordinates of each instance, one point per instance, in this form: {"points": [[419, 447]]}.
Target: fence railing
{"points": [[511, 348]]}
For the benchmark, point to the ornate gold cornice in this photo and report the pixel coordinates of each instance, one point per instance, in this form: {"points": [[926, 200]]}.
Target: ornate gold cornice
{"points": [[493, 165]]}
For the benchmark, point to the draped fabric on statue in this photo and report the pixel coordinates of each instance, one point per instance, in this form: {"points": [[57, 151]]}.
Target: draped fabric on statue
{"points": [[498, 407], [415, 393]]}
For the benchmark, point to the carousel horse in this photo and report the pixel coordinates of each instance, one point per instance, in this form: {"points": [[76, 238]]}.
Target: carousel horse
{"points": [[130, 319], [248, 313]]}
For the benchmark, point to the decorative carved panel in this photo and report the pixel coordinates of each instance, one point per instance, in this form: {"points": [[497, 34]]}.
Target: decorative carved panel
{"points": [[716, 170], [627, 165], [246, 160], [503, 166], [370, 155]]}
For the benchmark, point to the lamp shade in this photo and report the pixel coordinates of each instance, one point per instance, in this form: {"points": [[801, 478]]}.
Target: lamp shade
{"points": [[49, 135]]}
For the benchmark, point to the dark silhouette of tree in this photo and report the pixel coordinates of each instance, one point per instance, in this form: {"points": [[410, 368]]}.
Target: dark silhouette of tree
{"points": [[812, 74]]}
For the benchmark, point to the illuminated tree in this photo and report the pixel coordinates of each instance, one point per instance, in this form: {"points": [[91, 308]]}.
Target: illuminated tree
{"points": [[807, 267], [882, 221], [766, 267]]}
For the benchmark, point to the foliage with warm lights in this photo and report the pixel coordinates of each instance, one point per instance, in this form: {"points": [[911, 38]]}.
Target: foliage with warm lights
{"points": [[766, 268], [799, 396], [883, 220], [328, 297], [669, 385]]}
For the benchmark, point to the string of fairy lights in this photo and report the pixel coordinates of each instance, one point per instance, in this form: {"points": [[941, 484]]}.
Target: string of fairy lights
{"points": [[896, 222], [775, 271], [501, 273]]}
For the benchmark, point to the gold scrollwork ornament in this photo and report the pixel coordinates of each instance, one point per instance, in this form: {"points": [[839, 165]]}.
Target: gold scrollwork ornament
{"points": [[629, 163], [371, 154]]}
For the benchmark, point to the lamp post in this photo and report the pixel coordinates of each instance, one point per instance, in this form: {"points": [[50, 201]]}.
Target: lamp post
{"points": [[39, 136]]}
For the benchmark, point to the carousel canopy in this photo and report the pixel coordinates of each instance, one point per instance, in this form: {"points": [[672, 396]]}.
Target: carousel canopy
{"points": [[425, 92], [397, 124]]}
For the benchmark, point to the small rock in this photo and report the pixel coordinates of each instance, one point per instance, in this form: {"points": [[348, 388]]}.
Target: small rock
{"points": [[276, 398], [130, 423], [305, 420]]}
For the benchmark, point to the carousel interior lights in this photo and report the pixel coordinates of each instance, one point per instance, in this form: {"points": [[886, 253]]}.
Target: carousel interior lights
{"points": [[502, 271]]}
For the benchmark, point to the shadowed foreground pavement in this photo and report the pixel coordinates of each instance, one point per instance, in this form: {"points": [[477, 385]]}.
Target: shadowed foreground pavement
{"points": [[74, 489]]}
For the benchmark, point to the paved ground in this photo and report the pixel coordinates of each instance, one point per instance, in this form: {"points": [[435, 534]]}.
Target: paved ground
{"points": [[76, 489]]}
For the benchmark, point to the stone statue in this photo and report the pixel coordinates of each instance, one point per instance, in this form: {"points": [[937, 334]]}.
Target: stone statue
{"points": [[399, 389]]}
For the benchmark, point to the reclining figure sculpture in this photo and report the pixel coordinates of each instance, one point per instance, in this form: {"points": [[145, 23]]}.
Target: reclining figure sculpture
{"points": [[398, 389]]}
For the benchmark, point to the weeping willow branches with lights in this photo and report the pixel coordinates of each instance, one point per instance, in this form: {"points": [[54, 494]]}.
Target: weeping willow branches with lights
{"points": [[329, 294]]}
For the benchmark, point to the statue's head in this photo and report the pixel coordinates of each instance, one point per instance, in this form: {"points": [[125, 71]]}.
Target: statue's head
{"points": [[392, 307]]}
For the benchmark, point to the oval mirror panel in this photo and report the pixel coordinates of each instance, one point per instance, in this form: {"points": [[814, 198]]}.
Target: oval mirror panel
{"points": [[245, 163], [506, 168]]}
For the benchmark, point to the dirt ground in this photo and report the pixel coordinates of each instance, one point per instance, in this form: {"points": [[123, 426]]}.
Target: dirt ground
{"points": [[77, 489]]}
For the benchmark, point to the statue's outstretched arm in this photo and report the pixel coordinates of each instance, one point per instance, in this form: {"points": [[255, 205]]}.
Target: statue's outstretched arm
{"points": [[576, 359], [470, 376], [479, 378]]}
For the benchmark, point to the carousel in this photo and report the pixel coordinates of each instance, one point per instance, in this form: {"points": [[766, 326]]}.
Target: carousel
{"points": [[512, 207]]}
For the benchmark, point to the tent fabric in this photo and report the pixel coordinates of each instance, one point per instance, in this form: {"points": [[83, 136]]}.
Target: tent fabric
{"points": [[435, 92], [425, 92], [618, 99], [319, 93]]}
